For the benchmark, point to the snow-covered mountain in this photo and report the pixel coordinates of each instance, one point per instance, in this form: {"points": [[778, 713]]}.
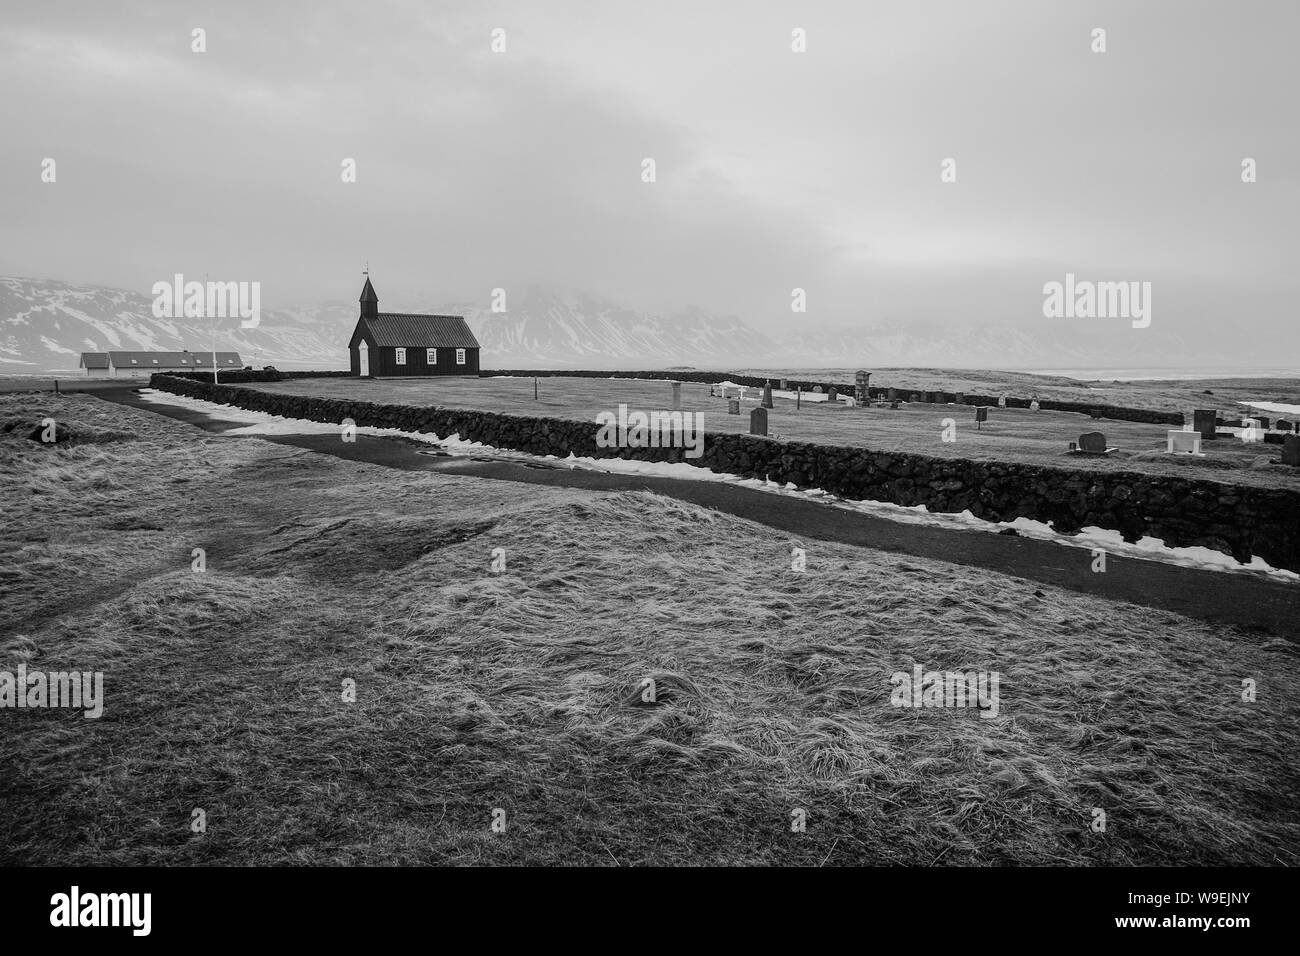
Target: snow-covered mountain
{"points": [[46, 324], [934, 345], [553, 330]]}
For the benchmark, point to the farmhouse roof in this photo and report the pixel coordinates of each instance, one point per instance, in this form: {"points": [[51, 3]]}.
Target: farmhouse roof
{"points": [[421, 331], [182, 360], [94, 360]]}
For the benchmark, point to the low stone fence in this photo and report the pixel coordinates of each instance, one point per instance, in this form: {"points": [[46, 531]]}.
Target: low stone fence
{"points": [[1241, 521]]}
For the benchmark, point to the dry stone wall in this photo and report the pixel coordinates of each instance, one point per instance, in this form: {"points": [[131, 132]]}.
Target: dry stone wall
{"points": [[1237, 520]]}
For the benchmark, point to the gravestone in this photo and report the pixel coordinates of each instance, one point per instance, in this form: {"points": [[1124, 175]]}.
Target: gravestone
{"points": [[961, 398], [733, 407], [817, 389], [1250, 431], [894, 403], [1291, 450], [862, 390], [677, 395], [892, 395], [1033, 406], [1204, 420], [1183, 442], [1263, 421], [758, 421], [1282, 425], [832, 395], [1092, 443], [1002, 401], [785, 385], [767, 396], [981, 415]]}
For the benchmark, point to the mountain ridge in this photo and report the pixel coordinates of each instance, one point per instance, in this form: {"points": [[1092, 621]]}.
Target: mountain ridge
{"points": [[45, 324]]}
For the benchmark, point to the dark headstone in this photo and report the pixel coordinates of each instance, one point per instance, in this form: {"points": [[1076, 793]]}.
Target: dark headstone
{"points": [[1263, 421], [758, 421], [982, 414], [1204, 420], [892, 395], [1282, 425], [1291, 450], [1092, 442], [1274, 438], [733, 407], [832, 395], [767, 395], [862, 384], [785, 385]]}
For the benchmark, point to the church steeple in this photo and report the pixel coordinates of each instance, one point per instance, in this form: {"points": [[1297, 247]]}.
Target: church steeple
{"points": [[369, 301]]}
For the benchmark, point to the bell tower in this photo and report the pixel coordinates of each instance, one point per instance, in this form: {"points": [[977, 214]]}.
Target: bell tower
{"points": [[369, 301]]}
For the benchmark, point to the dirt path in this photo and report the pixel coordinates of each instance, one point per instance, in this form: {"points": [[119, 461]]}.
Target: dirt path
{"points": [[1229, 599]]}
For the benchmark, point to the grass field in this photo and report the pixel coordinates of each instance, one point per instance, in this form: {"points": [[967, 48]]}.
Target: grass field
{"points": [[1011, 434], [523, 690]]}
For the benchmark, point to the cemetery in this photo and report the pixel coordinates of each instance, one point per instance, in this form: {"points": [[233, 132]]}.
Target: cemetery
{"points": [[875, 452], [889, 422]]}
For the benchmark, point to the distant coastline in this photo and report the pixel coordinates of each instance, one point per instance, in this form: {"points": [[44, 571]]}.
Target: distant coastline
{"points": [[1164, 374]]}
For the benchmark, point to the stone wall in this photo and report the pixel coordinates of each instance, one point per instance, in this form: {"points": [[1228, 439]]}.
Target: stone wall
{"points": [[257, 375], [1241, 521]]}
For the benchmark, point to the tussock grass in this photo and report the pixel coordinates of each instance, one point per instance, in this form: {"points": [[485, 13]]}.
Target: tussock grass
{"points": [[525, 690]]}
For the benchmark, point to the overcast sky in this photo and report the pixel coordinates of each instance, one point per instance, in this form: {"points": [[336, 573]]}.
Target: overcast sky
{"points": [[775, 169]]}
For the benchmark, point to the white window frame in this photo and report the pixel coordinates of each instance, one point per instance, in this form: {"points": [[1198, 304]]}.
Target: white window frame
{"points": [[401, 356], [431, 356], [460, 356]]}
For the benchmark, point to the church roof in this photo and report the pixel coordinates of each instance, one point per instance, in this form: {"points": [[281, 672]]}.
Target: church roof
{"points": [[407, 330]]}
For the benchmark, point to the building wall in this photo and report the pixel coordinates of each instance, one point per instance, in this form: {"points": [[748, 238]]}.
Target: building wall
{"points": [[383, 362]]}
